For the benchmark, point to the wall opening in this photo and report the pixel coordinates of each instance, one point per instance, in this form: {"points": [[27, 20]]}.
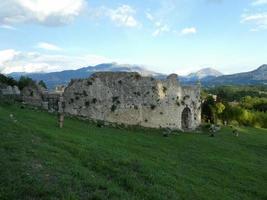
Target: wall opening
{"points": [[186, 119]]}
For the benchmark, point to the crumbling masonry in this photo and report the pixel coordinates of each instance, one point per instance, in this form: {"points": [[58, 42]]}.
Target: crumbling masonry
{"points": [[130, 99], [124, 98]]}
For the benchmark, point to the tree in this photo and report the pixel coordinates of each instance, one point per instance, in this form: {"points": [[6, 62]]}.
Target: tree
{"points": [[42, 83], [24, 82], [219, 108], [209, 110], [7, 80]]}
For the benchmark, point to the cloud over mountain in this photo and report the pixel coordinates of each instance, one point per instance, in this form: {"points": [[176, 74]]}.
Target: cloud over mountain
{"points": [[17, 61]]}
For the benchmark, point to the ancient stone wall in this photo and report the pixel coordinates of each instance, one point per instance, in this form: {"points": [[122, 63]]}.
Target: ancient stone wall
{"points": [[128, 98], [9, 93], [9, 90], [37, 96]]}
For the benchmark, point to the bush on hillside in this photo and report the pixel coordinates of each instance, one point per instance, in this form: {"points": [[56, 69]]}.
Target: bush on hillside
{"points": [[25, 81], [7, 80]]}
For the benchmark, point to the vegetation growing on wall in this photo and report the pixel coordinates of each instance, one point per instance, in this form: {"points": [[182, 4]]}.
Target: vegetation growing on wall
{"points": [[164, 89], [152, 106], [113, 108]]}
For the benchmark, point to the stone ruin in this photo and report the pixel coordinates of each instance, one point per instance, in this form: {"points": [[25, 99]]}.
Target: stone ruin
{"points": [[37, 96], [123, 98], [9, 93], [9, 90], [130, 99]]}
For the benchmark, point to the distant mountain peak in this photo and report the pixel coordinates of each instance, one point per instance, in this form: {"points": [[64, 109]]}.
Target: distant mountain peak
{"points": [[262, 68], [63, 78], [205, 72]]}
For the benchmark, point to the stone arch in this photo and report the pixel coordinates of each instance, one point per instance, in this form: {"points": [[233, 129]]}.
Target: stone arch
{"points": [[186, 118]]}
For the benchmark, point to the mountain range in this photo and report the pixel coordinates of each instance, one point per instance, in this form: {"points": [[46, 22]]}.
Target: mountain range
{"points": [[257, 76], [206, 76]]}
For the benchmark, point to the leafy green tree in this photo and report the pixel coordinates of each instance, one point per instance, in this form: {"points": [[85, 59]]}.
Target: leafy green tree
{"points": [[42, 83], [24, 82], [244, 105], [254, 103], [7, 80], [209, 110], [219, 108], [262, 106]]}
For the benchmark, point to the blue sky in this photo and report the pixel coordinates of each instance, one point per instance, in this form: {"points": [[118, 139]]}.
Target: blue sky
{"points": [[169, 36]]}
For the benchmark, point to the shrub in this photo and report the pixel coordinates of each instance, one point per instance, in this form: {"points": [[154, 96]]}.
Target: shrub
{"points": [[94, 100], [85, 93], [152, 106], [113, 108], [114, 99], [87, 103], [7, 80], [42, 83], [137, 76], [164, 89], [24, 82]]}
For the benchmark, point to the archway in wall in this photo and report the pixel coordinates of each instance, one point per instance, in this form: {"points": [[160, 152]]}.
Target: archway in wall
{"points": [[186, 118]]}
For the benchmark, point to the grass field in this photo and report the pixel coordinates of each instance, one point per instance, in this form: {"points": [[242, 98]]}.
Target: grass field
{"points": [[81, 161]]}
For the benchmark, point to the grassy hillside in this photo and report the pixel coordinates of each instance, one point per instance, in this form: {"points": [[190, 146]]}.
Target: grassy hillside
{"points": [[81, 161]]}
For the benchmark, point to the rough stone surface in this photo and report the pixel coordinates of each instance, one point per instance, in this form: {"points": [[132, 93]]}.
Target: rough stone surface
{"points": [[128, 98], [35, 95], [9, 90]]}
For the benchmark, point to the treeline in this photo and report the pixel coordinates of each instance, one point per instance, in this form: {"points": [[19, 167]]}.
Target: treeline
{"points": [[238, 105], [21, 83], [236, 93]]}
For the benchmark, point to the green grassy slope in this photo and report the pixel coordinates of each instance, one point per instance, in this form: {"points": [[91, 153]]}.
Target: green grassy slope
{"points": [[80, 161]]}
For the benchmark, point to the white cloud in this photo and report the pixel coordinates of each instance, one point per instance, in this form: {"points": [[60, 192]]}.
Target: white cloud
{"points": [[160, 29], [48, 46], [123, 16], [4, 26], [45, 12], [6, 56], [189, 30], [158, 25], [258, 20], [16, 61], [149, 16], [259, 2], [254, 16]]}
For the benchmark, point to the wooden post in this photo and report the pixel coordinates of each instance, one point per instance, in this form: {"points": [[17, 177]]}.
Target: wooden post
{"points": [[60, 112], [60, 120]]}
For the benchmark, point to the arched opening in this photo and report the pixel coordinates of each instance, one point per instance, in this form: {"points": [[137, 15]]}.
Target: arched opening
{"points": [[186, 119]]}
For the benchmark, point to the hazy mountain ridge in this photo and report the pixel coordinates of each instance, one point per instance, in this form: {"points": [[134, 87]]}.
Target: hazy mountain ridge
{"points": [[258, 76], [53, 79], [206, 76]]}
